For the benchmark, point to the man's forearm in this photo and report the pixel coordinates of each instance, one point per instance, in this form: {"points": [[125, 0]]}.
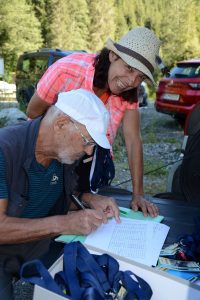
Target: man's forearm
{"points": [[21, 230]]}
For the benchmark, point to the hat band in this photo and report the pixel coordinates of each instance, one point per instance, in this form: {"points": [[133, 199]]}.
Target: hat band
{"points": [[135, 55]]}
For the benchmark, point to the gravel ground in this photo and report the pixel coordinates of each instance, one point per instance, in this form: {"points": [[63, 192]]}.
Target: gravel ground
{"points": [[162, 140]]}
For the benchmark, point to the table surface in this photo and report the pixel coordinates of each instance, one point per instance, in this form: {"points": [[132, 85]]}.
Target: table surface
{"points": [[178, 215]]}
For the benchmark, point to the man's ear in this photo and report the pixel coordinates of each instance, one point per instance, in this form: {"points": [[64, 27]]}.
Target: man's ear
{"points": [[113, 57], [61, 123]]}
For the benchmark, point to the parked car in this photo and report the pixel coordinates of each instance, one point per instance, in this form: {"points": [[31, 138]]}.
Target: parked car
{"points": [[30, 68], [180, 92]]}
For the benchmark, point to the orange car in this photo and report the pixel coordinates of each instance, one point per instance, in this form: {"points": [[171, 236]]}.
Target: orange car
{"points": [[177, 94]]}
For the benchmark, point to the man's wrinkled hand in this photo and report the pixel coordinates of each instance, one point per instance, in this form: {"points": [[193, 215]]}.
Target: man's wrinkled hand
{"points": [[105, 204], [83, 222]]}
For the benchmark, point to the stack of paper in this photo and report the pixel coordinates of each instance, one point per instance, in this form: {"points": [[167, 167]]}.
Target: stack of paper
{"points": [[179, 265], [138, 240]]}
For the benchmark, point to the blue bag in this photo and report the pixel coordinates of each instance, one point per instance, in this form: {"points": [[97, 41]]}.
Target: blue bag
{"points": [[86, 276], [102, 169]]}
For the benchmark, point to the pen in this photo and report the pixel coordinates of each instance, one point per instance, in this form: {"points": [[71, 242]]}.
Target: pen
{"points": [[122, 212], [78, 202]]}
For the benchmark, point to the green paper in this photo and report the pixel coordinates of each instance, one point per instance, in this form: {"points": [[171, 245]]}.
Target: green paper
{"points": [[138, 215], [124, 212], [67, 238]]}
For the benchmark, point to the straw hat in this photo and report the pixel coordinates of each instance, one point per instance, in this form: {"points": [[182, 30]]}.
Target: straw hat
{"points": [[139, 49]]}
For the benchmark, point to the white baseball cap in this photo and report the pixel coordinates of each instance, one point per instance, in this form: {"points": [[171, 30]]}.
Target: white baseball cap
{"points": [[86, 108]]}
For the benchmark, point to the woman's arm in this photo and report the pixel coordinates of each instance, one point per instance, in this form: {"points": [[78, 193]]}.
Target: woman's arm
{"points": [[36, 106], [131, 130]]}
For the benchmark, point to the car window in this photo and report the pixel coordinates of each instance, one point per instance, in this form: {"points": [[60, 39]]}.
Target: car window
{"points": [[25, 65], [34, 65], [197, 71], [185, 71], [40, 65]]}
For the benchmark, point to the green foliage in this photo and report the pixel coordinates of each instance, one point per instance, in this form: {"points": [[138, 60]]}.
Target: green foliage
{"points": [[19, 31], [68, 28], [102, 25], [121, 24], [178, 31], [42, 10], [86, 24]]}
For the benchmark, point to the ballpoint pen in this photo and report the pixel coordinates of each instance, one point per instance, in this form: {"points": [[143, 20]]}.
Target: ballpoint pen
{"points": [[78, 202], [123, 212]]}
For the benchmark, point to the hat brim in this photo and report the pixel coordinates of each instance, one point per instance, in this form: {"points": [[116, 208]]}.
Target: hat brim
{"points": [[133, 62], [98, 137]]}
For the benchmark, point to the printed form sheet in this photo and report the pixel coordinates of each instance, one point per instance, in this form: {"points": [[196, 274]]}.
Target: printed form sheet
{"points": [[140, 241]]}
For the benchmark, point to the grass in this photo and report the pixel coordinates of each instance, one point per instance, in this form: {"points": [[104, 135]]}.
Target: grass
{"points": [[154, 168], [170, 140]]}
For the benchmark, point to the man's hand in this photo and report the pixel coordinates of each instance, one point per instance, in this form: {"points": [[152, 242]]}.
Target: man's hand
{"points": [[81, 222], [105, 204], [139, 202]]}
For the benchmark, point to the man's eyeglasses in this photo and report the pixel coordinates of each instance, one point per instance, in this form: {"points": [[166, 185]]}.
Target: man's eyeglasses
{"points": [[86, 141]]}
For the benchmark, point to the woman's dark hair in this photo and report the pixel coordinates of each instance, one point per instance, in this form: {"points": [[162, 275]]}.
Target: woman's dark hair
{"points": [[101, 65]]}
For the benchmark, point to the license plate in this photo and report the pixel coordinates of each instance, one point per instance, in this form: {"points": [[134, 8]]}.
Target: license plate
{"points": [[172, 97]]}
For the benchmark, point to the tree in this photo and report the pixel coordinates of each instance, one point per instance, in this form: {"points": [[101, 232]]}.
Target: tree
{"points": [[120, 19], [179, 34], [68, 26], [86, 24], [102, 23], [19, 30], [42, 9]]}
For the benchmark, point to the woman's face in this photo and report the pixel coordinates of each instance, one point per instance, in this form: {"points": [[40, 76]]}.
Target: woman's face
{"points": [[122, 77]]}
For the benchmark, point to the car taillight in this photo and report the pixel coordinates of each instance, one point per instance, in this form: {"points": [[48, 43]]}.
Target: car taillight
{"points": [[194, 85]]}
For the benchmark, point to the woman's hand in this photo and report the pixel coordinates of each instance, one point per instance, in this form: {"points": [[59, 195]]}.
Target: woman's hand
{"points": [[148, 208]]}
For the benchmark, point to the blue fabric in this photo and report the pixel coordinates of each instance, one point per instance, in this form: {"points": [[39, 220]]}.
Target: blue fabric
{"points": [[189, 245], [36, 273], [3, 186], [6, 286], [87, 277], [102, 169], [45, 187], [17, 144]]}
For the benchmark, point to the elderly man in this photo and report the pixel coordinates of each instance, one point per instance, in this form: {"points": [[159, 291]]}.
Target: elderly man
{"points": [[37, 161]]}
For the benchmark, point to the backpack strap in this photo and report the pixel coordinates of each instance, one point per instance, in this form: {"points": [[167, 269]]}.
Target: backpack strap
{"points": [[36, 273], [111, 269], [77, 257], [138, 288]]}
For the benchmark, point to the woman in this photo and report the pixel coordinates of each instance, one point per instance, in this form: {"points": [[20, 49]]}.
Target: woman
{"points": [[114, 76]]}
